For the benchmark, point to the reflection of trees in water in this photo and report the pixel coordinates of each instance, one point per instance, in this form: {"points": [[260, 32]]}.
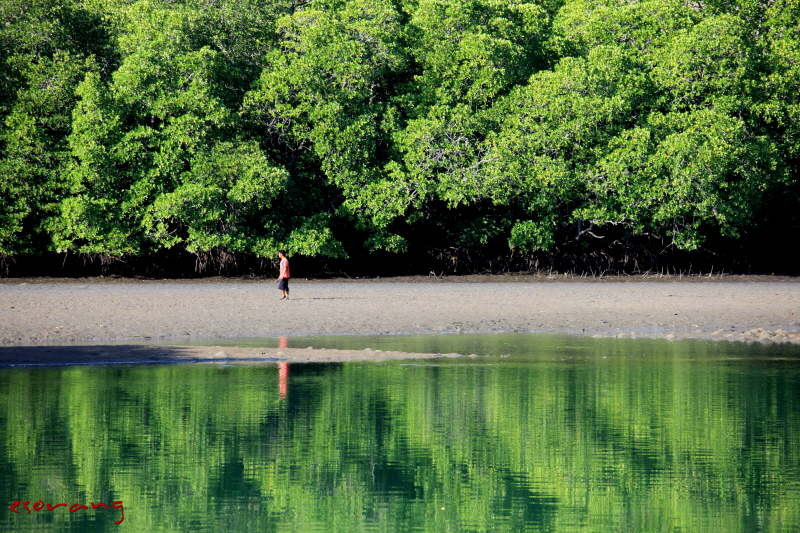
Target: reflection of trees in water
{"points": [[542, 446]]}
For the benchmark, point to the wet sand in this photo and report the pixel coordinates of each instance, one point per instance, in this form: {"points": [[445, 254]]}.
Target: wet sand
{"points": [[45, 321]]}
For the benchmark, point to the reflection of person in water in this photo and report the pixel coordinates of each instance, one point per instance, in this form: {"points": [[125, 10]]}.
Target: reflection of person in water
{"points": [[283, 370], [283, 380]]}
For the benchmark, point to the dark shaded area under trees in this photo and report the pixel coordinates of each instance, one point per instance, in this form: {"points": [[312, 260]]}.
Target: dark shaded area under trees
{"points": [[194, 137]]}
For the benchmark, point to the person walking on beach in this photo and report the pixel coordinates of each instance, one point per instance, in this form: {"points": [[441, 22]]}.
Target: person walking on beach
{"points": [[283, 276]]}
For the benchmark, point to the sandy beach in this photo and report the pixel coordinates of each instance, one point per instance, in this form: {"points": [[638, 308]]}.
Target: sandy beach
{"points": [[45, 321]]}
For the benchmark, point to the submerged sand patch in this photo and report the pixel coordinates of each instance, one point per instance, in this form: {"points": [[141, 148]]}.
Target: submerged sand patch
{"points": [[135, 354]]}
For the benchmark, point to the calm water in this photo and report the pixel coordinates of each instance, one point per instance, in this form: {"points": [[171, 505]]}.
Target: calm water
{"points": [[539, 433]]}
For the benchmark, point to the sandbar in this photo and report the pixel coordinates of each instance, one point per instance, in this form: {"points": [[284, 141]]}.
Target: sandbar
{"points": [[54, 321]]}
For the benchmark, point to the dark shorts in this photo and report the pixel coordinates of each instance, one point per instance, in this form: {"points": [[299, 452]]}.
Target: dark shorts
{"points": [[283, 284]]}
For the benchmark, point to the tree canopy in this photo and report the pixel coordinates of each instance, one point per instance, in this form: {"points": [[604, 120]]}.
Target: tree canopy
{"points": [[338, 127]]}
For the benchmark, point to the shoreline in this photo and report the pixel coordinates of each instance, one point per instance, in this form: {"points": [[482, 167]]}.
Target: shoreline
{"points": [[504, 277], [63, 319]]}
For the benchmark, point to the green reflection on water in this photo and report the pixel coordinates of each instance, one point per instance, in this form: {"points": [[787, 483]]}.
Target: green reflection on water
{"points": [[565, 434]]}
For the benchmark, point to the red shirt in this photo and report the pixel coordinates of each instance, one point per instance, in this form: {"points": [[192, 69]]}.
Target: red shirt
{"points": [[285, 269]]}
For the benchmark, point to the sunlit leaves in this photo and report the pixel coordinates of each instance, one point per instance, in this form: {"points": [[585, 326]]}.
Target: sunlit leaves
{"points": [[474, 51], [35, 147], [319, 89], [710, 64], [681, 171], [644, 26], [548, 133], [227, 186]]}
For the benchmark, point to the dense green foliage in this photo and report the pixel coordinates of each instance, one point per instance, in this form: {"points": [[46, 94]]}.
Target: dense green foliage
{"points": [[244, 126], [588, 435]]}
